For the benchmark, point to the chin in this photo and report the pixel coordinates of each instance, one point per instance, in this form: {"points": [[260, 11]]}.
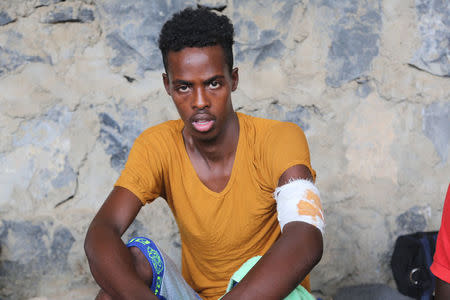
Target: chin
{"points": [[205, 136]]}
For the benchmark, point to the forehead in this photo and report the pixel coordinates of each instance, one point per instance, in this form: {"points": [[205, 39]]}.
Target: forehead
{"points": [[194, 62]]}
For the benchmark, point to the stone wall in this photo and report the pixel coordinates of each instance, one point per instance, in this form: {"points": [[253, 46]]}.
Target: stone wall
{"points": [[79, 80]]}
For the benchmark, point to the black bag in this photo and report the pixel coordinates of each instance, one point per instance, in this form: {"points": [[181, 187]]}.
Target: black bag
{"points": [[410, 263]]}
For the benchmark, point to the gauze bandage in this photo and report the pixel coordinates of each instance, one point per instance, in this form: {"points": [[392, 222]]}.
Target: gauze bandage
{"points": [[299, 200]]}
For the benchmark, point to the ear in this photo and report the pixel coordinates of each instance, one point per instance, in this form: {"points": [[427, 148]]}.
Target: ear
{"points": [[166, 83], [234, 79]]}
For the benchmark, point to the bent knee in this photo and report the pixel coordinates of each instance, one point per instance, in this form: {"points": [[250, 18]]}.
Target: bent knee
{"points": [[141, 265]]}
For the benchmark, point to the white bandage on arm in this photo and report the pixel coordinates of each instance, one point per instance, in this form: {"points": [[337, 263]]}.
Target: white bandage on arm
{"points": [[299, 200]]}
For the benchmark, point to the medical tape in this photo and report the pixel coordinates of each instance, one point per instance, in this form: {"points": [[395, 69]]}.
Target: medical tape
{"points": [[299, 200]]}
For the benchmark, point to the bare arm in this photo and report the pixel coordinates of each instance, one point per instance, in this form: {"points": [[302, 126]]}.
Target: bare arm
{"points": [[109, 259], [442, 291], [288, 261]]}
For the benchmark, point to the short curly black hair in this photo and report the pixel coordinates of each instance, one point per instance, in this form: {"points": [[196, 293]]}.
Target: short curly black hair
{"points": [[197, 28]]}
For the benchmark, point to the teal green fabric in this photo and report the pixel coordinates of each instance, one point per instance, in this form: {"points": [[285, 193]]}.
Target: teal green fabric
{"points": [[300, 293]]}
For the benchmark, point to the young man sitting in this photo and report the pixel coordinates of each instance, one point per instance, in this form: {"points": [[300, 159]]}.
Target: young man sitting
{"points": [[238, 186]]}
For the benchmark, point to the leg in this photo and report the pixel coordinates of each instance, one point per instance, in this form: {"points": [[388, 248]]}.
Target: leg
{"points": [[142, 267], [169, 283]]}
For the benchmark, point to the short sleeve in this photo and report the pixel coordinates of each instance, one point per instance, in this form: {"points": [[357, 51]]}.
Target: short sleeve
{"points": [[441, 260], [286, 146], [142, 174]]}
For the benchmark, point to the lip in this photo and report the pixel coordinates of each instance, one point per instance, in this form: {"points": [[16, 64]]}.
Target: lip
{"points": [[202, 117], [202, 122]]}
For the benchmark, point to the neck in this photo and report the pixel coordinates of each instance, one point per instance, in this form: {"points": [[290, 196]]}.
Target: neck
{"points": [[222, 147]]}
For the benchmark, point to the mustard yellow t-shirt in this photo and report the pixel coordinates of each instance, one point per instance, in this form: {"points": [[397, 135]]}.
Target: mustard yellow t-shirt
{"points": [[219, 231]]}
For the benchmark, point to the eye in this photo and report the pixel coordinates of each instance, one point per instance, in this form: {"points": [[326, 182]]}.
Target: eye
{"points": [[214, 84], [183, 88]]}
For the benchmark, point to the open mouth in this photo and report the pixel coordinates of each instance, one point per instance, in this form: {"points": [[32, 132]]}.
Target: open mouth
{"points": [[203, 125]]}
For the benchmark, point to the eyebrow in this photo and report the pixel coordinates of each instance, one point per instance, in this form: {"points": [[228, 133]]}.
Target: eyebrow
{"points": [[181, 82], [214, 78], [188, 83]]}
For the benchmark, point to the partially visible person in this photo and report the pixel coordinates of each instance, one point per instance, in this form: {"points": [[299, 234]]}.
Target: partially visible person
{"points": [[441, 262]]}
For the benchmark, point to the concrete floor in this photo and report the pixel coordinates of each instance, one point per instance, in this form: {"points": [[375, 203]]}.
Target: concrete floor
{"points": [[359, 292]]}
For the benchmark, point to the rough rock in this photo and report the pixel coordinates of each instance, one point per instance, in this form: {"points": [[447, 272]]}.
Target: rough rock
{"points": [[364, 87], [40, 3], [10, 60], [215, 4], [298, 116], [368, 137], [31, 252], [63, 14], [413, 220], [118, 139], [434, 26], [254, 42], [5, 18], [132, 30], [46, 172], [77, 89], [436, 126], [355, 37]]}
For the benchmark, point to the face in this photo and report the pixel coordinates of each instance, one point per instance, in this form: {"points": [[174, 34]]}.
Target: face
{"points": [[200, 85]]}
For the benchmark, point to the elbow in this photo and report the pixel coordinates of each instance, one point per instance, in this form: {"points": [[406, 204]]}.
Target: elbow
{"points": [[307, 240], [98, 239], [89, 245], [317, 253], [88, 248], [317, 249], [92, 247]]}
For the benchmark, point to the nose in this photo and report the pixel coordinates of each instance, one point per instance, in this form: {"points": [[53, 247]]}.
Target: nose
{"points": [[200, 100]]}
